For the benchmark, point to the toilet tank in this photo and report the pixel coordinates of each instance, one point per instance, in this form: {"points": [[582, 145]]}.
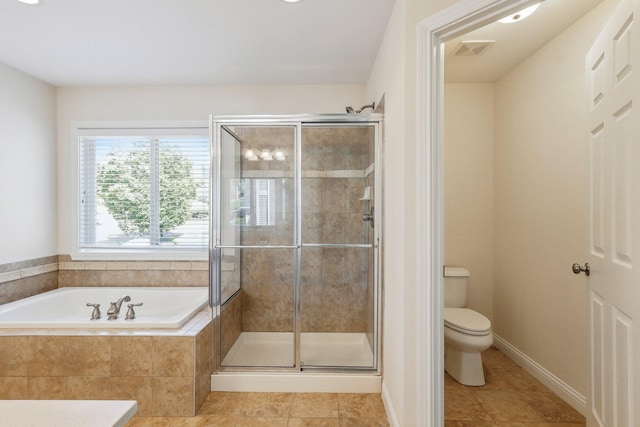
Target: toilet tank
{"points": [[456, 280]]}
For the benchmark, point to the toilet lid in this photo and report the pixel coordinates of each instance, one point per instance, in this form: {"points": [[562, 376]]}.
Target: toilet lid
{"points": [[467, 321]]}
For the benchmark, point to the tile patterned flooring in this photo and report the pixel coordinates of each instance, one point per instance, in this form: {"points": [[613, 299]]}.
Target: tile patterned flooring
{"points": [[279, 410], [511, 397]]}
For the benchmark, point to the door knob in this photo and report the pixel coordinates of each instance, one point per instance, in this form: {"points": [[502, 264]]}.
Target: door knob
{"points": [[577, 268]]}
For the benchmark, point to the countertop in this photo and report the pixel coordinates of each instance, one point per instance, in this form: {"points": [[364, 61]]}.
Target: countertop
{"points": [[67, 413]]}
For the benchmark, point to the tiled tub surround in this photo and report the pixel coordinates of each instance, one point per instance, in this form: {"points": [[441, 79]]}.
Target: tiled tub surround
{"points": [[26, 278], [168, 372], [132, 273]]}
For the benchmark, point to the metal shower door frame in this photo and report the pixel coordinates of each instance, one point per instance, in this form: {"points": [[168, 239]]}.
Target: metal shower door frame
{"points": [[216, 124]]}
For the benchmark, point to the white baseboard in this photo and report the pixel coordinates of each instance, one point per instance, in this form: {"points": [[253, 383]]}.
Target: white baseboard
{"points": [[388, 406], [555, 384]]}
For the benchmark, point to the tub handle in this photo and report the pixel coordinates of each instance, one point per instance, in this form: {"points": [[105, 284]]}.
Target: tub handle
{"points": [[95, 315], [130, 313]]}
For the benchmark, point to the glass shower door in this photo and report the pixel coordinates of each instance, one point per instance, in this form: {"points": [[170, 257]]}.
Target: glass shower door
{"points": [[256, 244], [338, 279], [296, 238]]}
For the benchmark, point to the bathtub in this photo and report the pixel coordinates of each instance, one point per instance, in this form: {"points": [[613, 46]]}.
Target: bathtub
{"points": [[67, 308]]}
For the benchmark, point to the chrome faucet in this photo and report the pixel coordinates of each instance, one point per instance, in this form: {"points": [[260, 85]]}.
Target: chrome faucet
{"points": [[114, 309]]}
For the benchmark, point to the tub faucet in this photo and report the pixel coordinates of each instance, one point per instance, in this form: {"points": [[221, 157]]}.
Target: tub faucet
{"points": [[114, 310]]}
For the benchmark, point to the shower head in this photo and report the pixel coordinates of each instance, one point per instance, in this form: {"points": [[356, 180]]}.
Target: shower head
{"points": [[364, 107], [350, 110]]}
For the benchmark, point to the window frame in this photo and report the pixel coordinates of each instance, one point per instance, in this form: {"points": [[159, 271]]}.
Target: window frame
{"points": [[127, 128]]}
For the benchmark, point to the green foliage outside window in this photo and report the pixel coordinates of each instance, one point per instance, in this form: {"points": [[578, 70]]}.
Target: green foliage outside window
{"points": [[123, 184]]}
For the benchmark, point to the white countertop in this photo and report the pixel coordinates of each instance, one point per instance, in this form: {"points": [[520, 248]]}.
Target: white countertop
{"points": [[67, 413]]}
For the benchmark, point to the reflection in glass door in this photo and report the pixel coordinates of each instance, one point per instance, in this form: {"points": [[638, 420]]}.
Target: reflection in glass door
{"points": [[296, 242]]}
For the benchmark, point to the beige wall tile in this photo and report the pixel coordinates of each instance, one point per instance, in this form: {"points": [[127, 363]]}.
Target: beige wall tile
{"points": [[48, 356], [87, 356], [48, 388], [132, 388], [14, 356], [89, 388], [204, 364], [131, 356], [13, 388], [172, 396], [22, 288], [172, 356]]}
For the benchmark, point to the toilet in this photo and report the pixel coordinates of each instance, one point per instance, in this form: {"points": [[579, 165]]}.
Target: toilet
{"points": [[467, 333]]}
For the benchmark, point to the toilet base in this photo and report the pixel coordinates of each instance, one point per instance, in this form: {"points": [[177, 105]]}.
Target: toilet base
{"points": [[464, 367]]}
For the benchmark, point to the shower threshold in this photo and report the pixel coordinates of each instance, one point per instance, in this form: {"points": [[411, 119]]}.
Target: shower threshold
{"points": [[317, 349]]}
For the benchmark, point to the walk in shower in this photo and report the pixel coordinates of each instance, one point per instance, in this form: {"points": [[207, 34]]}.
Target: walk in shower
{"points": [[295, 242]]}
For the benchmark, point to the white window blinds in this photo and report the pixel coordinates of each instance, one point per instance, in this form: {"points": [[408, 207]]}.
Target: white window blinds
{"points": [[144, 190]]}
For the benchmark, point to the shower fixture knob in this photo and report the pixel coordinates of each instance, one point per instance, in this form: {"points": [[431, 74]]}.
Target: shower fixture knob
{"points": [[368, 216]]}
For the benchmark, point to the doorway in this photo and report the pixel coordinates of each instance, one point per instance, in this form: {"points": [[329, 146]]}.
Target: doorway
{"points": [[543, 270]]}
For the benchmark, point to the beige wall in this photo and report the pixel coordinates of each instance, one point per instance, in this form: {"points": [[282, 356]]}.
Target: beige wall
{"points": [[394, 75], [541, 204], [468, 180], [187, 103], [398, 360]]}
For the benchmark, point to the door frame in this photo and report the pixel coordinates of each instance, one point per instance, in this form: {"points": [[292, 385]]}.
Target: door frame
{"points": [[216, 124], [462, 17]]}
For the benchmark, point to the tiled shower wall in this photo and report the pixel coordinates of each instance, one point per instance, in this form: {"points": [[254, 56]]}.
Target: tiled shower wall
{"points": [[337, 283]]}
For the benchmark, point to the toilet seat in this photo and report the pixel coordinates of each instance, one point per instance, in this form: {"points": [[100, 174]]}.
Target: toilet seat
{"points": [[466, 321]]}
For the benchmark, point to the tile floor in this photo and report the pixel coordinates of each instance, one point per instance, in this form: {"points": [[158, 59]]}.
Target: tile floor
{"points": [[279, 410], [511, 397]]}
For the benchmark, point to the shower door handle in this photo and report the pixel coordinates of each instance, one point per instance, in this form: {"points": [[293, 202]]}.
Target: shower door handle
{"points": [[368, 216]]}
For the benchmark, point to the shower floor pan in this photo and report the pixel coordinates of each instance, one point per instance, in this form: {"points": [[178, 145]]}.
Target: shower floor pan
{"points": [[276, 349]]}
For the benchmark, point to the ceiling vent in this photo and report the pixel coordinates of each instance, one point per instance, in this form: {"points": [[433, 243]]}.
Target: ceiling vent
{"points": [[472, 47]]}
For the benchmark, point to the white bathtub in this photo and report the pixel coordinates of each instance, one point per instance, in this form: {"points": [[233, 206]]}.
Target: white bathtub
{"points": [[67, 308]]}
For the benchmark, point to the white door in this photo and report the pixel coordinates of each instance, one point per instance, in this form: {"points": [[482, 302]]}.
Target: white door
{"points": [[613, 79]]}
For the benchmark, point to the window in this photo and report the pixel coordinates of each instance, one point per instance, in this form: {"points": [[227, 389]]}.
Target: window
{"points": [[143, 192]]}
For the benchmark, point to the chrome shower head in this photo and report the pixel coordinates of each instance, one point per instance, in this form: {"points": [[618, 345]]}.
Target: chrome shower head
{"points": [[364, 107], [350, 110]]}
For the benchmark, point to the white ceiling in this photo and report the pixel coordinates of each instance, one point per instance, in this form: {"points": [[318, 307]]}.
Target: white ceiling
{"points": [[514, 42], [226, 42], [177, 42]]}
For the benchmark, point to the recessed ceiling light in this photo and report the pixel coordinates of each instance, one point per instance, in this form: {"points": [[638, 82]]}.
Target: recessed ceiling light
{"points": [[520, 15], [29, 1], [292, 1]]}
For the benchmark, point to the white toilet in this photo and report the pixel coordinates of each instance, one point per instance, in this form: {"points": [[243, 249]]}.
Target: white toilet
{"points": [[467, 333]]}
